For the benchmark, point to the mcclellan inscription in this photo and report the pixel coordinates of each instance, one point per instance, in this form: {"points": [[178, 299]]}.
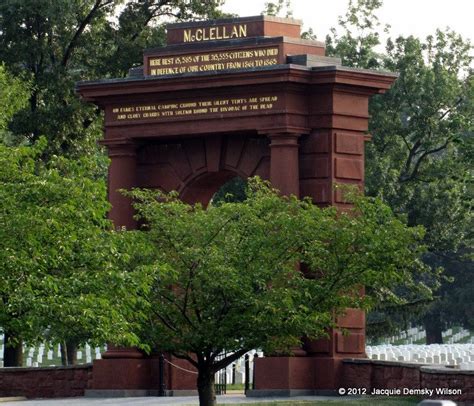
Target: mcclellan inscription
{"points": [[215, 33]]}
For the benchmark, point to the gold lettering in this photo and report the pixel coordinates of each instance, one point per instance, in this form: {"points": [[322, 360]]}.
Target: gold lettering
{"points": [[187, 36], [215, 33], [225, 36], [199, 37], [235, 32], [198, 107]]}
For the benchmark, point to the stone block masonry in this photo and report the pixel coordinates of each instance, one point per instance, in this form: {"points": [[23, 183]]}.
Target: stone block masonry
{"points": [[51, 382], [432, 381], [444, 382]]}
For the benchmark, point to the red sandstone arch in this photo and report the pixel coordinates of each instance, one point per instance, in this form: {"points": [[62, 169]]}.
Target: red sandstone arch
{"points": [[308, 136], [198, 167]]}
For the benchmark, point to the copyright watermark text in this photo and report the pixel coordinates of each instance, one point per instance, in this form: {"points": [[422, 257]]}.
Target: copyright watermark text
{"points": [[399, 391]]}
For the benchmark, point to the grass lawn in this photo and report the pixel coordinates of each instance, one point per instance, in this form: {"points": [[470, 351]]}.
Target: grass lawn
{"points": [[374, 401], [235, 386]]}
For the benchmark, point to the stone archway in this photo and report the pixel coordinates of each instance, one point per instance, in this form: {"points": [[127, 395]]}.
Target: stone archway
{"points": [[210, 106], [197, 167]]}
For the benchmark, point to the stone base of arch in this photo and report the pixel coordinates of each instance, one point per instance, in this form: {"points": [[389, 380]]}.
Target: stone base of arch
{"points": [[291, 375]]}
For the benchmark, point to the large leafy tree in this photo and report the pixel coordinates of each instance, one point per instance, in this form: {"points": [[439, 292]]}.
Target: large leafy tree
{"points": [[224, 278], [420, 157], [52, 44], [55, 43], [56, 253]]}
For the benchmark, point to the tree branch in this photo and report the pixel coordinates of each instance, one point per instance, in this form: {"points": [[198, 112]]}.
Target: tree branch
{"points": [[80, 29], [217, 366], [164, 321], [422, 157], [185, 357], [181, 310], [458, 102], [411, 155]]}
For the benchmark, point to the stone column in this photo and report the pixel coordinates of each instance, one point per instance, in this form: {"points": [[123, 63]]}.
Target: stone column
{"points": [[285, 375], [284, 165], [332, 155], [122, 176], [284, 174]]}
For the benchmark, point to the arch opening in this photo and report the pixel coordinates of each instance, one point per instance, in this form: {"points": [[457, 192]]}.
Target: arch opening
{"points": [[215, 188]]}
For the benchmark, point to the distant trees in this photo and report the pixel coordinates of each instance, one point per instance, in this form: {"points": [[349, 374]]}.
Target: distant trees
{"points": [[54, 43], [420, 159]]}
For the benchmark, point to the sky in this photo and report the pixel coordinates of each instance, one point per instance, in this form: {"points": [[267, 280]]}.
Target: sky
{"points": [[406, 17]]}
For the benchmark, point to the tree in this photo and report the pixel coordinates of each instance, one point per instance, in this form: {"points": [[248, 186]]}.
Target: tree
{"points": [[277, 8], [422, 130], [56, 253], [52, 44], [232, 191], [224, 278], [55, 43], [420, 156], [13, 96], [360, 35]]}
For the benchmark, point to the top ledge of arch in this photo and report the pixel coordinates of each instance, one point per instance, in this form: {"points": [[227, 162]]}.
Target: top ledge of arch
{"points": [[283, 68]]}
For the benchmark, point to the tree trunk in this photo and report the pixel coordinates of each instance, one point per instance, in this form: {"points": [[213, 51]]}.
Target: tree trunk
{"points": [[71, 352], [206, 389], [433, 330], [62, 347], [13, 351]]}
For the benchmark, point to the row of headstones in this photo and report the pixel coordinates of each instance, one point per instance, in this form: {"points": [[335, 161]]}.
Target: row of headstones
{"points": [[463, 333], [445, 354], [414, 334], [35, 361], [35, 356]]}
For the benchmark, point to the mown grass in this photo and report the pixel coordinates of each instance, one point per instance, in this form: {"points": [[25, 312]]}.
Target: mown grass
{"points": [[340, 402]]}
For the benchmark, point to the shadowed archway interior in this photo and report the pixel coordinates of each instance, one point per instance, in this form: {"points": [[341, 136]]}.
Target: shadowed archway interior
{"points": [[198, 167]]}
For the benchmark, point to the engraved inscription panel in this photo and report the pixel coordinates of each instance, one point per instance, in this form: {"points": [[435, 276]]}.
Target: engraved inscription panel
{"points": [[213, 61], [194, 108]]}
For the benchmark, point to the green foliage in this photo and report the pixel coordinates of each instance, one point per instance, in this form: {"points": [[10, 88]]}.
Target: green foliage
{"points": [[55, 43], [232, 191], [278, 8], [56, 254], [420, 158], [225, 277], [420, 129], [13, 96], [360, 35]]}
